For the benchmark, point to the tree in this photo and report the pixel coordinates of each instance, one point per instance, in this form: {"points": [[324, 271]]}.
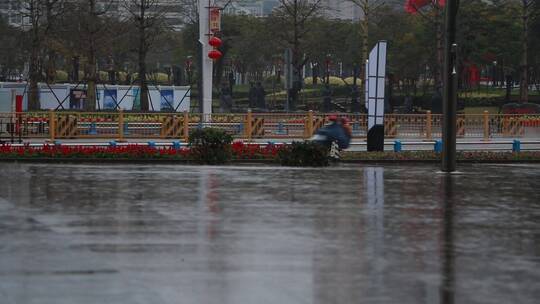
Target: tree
{"points": [[527, 17], [291, 19], [407, 42], [11, 59], [91, 27], [535, 44], [41, 16], [53, 9], [247, 45], [32, 10], [367, 7], [434, 18], [85, 32], [148, 18]]}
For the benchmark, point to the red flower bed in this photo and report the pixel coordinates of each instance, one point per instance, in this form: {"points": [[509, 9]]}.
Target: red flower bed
{"points": [[239, 151], [59, 151]]}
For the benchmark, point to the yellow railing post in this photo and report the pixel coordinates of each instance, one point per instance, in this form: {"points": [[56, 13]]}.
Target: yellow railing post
{"points": [[52, 124], [249, 124], [186, 126], [428, 124], [309, 125], [486, 125], [120, 125]]}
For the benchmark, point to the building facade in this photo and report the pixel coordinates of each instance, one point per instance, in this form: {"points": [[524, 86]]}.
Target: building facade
{"points": [[14, 12], [10, 12], [342, 9]]}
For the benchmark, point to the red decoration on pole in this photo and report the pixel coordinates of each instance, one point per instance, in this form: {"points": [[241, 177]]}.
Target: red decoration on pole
{"points": [[215, 54], [215, 19], [215, 42], [18, 103]]}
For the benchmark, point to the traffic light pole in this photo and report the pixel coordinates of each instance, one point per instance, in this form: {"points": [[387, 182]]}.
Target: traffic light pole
{"points": [[450, 89]]}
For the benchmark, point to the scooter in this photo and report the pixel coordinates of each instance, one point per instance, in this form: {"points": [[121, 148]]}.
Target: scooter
{"points": [[335, 136]]}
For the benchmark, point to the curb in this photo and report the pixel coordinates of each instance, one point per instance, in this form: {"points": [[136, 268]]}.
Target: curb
{"points": [[251, 161]]}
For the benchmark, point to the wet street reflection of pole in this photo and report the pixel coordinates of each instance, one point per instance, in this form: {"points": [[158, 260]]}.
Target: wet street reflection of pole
{"points": [[374, 185], [447, 252]]}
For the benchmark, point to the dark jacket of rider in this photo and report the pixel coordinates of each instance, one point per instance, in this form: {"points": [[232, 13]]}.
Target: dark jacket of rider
{"points": [[335, 131]]}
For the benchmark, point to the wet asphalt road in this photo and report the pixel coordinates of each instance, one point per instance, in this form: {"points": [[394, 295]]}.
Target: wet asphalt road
{"points": [[357, 234]]}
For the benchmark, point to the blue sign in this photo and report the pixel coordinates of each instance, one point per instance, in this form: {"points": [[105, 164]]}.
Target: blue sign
{"points": [[109, 99]]}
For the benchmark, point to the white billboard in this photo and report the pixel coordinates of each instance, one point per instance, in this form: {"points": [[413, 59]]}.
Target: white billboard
{"points": [[375, 84], [108, 97]]}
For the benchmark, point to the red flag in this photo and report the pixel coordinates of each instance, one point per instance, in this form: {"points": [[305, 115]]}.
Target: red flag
{"points": [[412, 6]]}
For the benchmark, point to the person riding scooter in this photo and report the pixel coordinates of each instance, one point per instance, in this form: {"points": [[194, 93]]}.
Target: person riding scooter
{"points": [[335, 135]]}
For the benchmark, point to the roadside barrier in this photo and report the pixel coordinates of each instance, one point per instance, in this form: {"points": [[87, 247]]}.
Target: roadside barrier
{"points": [[514, 145], [250, 126]]}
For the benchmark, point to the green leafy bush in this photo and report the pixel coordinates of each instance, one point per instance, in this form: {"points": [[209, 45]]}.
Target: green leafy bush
{"points": [[61, 76], [210, 146], [308, 154]]}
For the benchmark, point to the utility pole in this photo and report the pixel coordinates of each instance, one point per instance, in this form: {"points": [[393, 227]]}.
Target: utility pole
{"points": [[207, 64], [450, 89]]}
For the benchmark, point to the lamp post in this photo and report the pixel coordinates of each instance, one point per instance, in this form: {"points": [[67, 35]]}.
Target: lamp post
{"points": [[450, 89]]}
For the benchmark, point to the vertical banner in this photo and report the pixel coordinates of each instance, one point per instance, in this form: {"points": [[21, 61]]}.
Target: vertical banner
{"points": [[375, 92], [215, 20], [18, 103]]}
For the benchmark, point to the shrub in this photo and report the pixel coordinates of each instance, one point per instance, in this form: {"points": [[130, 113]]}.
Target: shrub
{"points": [[122, 76], [158, 78], [61, 76], [308, 154], [210, 146], [309, 80], [350, 80], [273, 80], [103, 75], [334, 81]]}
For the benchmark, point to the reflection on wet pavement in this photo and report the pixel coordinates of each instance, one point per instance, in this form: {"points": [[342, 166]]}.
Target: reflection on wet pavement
{"points": [[177, 234]]}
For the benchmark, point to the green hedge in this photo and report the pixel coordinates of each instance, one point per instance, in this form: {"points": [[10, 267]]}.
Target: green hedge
{"points": [[210, 146], [304, 154]]}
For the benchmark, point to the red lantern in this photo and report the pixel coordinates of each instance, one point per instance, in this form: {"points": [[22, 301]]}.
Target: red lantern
{"points": [[214, 54], [215, 42]]}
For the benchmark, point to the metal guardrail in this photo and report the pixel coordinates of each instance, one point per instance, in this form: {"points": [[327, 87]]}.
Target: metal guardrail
{"points": [[121, 126]]}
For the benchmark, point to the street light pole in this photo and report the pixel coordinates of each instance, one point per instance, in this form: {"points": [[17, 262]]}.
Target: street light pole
{"points": [[206, 64], [494, 74], [450, 89]]}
